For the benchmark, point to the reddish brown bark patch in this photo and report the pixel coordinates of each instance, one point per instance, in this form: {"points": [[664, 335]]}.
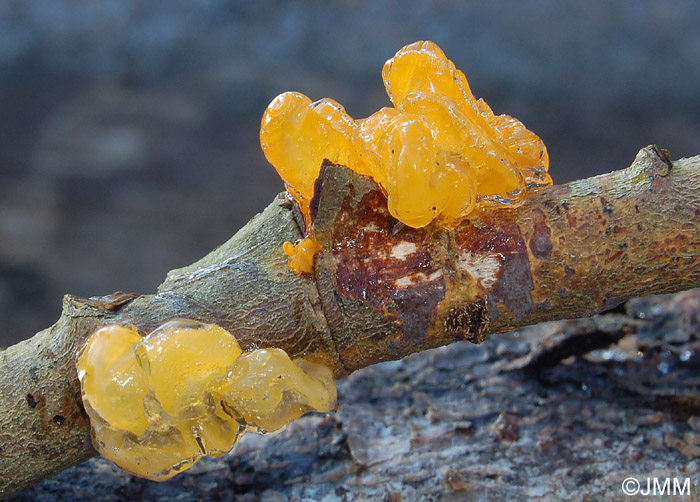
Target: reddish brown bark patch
{"points": [[513, 288], [494, 232], [417, 308], [540, 243], [387, 265], [498, 235]]}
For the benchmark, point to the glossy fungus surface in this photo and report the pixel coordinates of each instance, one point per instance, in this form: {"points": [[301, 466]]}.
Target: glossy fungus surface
{"points": [[158, 403], [437, 154]]}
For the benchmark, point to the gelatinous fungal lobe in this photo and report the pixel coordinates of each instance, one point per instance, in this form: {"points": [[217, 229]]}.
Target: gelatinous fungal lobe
{"points": [[158, 403], [437, 154], [296, 135], [301, 255]]}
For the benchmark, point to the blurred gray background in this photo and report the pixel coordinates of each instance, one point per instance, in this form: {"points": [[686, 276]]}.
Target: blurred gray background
{"points": [[129, 128]]}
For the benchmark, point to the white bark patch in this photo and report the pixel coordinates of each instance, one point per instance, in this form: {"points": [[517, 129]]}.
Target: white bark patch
{"points": [[413, 279], [403, 249], [483, 268]]}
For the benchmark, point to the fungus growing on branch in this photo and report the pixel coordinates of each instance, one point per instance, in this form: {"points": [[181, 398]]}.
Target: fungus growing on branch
{"points": [[438, 154], [157, 404], [301, 255], [381, 288]]}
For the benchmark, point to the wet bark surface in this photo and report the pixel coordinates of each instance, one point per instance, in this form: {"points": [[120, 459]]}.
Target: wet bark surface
{"points": [[560, 411]]}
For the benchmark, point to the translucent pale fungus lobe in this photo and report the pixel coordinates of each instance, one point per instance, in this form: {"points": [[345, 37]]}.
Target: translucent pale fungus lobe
{"points": [[110, 372], [158, 403], [271, 390], [190, 354], [437, 154]]}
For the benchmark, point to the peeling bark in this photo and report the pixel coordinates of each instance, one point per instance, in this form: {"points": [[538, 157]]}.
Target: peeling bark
{"points": [[381, 290]]}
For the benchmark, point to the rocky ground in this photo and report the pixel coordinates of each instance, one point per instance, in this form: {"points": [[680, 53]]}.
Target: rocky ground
{"points": [[563, 411]]}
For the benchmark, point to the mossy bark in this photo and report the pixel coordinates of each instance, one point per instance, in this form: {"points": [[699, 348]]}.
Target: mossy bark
{"points": [[380, 290]]}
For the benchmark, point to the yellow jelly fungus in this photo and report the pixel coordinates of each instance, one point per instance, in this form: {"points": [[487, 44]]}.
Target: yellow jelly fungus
{"points": [[437, 154], [296, 135], [301, 255], [292, 388], [422, 66], [109, 371], [188, 354], [158, 403]]}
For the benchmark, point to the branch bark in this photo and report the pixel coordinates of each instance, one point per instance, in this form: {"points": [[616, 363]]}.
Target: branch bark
{"points": [[380, 291]]}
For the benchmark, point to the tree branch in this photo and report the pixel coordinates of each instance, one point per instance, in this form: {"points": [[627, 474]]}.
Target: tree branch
{"points": [[380, 291]]}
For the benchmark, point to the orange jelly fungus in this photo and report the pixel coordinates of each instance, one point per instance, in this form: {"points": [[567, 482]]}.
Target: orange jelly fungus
{"points": [[301, 255], [437, 154], [159, 403]]}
